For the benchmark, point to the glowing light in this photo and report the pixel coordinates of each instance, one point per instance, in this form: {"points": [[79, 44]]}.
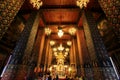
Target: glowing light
{"points": [[36, 3], [69, 43], [60, 33], [47, 31], [55, 53], [54, 49], [82, 3], [72, 31], [67, 49], [60, 48], [52, 43]]}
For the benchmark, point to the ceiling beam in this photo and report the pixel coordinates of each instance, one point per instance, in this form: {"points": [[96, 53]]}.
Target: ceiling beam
{"points": [[59, 7], [61, 23], [54, 25]]}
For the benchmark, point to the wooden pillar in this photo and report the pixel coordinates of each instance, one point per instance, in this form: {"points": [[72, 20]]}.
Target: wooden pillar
{"points": [[47, 51], [80, 52], [74, 66], [36, 51], [8, 10], [79, 47], [47, 54], [50, 56], [16, 63], [74, 52], [41, 49], [71, 55]]}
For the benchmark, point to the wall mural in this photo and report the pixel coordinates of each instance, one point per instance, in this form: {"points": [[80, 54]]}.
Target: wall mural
{"points": [[8, 10], [112, 9]]}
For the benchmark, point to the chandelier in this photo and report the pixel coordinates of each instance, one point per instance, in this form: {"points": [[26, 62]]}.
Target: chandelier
{"points": [[54, 49], [60, 58], [52, 42], [60, 33], [55, 53], [82, 3], [72, 31], [69, 43], [47, 31], [60, 48], [36, 3], [66, 53], [67, 49]]}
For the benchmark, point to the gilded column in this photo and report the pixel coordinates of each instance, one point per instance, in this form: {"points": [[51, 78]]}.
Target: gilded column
{"points": [[100, 53], [8, 10], [112, 10], [18, 52]]}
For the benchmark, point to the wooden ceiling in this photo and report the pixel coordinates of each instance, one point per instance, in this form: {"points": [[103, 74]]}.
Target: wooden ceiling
{"points": [[61, 16], [64, 12], [54, 13]]}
